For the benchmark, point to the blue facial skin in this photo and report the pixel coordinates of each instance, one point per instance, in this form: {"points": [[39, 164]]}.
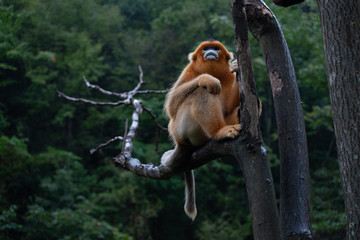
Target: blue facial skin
{"points": [[211, 53]]}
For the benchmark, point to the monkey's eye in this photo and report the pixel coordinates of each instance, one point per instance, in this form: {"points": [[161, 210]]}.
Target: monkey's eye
{"points": [[217, 49], [206, 49]]}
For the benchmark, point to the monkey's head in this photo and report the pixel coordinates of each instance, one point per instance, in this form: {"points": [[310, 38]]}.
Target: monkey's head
{"points": [[211, 57]]}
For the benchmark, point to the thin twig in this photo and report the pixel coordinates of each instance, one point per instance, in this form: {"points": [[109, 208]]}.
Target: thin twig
{"points": [[133, 92], [154, 118], [152, 91], [115, 139], [122, 102], [106, 92], [121, 95], [141, 81]]}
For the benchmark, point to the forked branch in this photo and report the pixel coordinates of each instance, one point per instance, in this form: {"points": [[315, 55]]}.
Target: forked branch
{"points": [[127, 100]]}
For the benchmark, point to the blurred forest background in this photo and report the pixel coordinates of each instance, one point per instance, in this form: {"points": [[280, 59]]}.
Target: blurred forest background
{"points": [[51, 188]]}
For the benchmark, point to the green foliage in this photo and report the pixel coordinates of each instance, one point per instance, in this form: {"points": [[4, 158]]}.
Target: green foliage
{"points": [[224, 203], [319, 119], [11, 50], [18, 178], [67, 224], [54, 192], [222, 228], [8, 223], [328, 210], [51, 188]]}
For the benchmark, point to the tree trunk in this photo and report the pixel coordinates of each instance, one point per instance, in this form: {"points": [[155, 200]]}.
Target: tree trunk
{"points": [[340, 22], [252, 155], [294, 166]]}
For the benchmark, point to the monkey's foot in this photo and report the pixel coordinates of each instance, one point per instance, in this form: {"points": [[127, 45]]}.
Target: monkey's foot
{"points": [[231, 131]]}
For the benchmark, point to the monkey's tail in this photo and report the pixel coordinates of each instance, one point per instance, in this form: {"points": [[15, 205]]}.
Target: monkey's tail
{"points": [[190, 204]]}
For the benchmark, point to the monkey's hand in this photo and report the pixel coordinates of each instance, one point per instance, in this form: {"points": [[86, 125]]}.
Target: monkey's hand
{"points": [[210, 83], [234, 66]]}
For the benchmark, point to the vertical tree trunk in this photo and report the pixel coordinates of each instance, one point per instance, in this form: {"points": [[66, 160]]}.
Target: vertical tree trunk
{"points": [[294, 166], [252, 156], [260, 189], [341, 33]]}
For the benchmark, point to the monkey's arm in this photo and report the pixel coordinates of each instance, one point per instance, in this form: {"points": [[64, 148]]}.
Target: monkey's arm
{"points": [[181, 91], [178, 94]]}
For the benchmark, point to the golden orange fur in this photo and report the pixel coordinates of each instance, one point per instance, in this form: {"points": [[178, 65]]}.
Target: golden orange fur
{"points": [[203, 105], [203, 102]]}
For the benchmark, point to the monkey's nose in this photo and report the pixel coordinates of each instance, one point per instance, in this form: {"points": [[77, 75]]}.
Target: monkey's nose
{"points": [[211, 55]]}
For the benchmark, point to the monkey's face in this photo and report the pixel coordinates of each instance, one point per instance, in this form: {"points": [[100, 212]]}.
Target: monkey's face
{"points": [[211, 57], [211, 53]]}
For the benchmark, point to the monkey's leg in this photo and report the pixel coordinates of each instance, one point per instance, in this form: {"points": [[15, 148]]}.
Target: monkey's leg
{"points": [[207, 111]]}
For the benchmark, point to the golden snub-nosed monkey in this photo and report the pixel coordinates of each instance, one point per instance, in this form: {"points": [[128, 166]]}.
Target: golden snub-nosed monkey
{"points": [[203, 105]]}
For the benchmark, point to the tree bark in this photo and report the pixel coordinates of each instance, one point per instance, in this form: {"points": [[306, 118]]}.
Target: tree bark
{"points": [[252, 155], [255, 166], [294, 164], [340, 22]]}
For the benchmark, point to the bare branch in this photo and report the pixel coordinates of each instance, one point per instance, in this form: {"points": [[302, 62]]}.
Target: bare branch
{"points": [[115, 139], [133, 92], [125, 102], [152, 91], [121, 95], [146, 170], [130, 94], [141, 81], [129, 100], [125, 134], [106, 92], [188, 160], [128, 141]]}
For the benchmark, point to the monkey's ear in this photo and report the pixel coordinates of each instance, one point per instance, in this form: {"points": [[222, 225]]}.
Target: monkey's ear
{"points": [[230, 57], [192, 56]]}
